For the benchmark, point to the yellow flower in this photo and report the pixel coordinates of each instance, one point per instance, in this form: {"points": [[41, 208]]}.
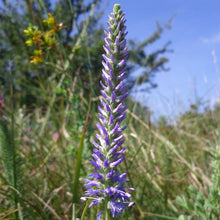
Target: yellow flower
{"points": [[37, 38], [26, 32], [48, 39], [77, 48], [29, 42], [36, 59], [50, 21], [38, 52]]}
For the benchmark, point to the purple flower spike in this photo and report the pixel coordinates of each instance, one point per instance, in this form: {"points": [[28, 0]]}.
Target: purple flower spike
{"points": [[106, 185]]}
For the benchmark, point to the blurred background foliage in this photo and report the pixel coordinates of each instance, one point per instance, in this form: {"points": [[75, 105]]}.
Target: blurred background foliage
{"points": [[50, 65], [78, 41]]}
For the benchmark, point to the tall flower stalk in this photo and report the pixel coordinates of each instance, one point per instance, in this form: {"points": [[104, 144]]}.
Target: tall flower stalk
{"points": [[106, 186]]}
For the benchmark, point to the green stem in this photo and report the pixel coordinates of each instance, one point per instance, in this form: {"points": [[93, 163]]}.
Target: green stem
{"points": [[43, 6], [79, 158], [85, 209], [106, 215], [71, 6], [75, 187], [12, 144]]}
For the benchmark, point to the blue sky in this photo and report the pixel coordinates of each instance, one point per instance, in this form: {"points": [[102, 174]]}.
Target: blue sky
{"points": [[195, 36]]}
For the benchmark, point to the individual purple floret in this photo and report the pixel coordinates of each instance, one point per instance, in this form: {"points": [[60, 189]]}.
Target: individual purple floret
{"points": [[106, 186]]}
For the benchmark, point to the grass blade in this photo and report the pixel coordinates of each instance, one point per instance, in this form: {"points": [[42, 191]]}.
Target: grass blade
{"points": [[79, 157]]}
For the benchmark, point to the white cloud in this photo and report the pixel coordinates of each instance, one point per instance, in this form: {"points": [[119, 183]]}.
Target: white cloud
{"points": [[212, 39]]}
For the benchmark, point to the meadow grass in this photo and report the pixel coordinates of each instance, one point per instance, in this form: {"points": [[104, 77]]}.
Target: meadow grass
{"points": [[162, 161]]}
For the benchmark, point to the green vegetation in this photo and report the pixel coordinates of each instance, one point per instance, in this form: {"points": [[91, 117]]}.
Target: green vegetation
{"points": [[49, 77]]}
